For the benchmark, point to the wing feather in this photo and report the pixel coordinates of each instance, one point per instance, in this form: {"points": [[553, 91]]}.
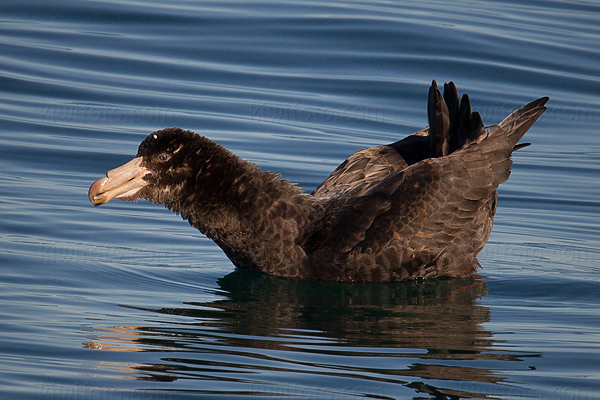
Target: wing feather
{"points": [[422, 206], [418, 212]]}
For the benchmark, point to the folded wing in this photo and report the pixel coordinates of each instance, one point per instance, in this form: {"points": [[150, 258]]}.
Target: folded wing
{"points": [[428, 213]]}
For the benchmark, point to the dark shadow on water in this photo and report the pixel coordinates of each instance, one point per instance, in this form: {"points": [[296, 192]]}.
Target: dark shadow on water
{"points": [[369, 334]]}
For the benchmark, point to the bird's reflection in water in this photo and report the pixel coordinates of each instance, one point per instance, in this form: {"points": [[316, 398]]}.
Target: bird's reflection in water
{"points": [[369, 334]]}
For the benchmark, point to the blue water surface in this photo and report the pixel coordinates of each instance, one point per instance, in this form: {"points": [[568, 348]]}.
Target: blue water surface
{"points": [[127, 301]]}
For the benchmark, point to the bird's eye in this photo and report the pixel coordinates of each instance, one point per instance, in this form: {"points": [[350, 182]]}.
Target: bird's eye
{"points": [[164, 157]]}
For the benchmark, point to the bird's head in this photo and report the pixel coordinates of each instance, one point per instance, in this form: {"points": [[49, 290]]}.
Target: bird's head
{"points": [[163, 167]]}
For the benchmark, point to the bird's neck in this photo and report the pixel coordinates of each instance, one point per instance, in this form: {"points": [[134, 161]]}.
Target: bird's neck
{"points": [[257, 218]]}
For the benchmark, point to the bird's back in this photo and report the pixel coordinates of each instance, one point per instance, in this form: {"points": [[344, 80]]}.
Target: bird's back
{"points": [[422, 206]]}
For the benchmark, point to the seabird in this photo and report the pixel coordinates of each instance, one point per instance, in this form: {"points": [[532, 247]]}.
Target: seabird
{"points": [[421, 207]]}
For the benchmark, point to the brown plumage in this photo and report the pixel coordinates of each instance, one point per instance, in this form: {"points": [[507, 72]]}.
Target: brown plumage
{"points": [[419, 207]]}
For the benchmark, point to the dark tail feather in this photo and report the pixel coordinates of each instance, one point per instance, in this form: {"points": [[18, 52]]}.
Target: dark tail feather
{"points": [[452, 125], [453, 104], [520, 146], [439, 122]]}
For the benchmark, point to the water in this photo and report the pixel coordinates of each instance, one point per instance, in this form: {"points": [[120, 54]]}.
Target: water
{"points": [[127, 301]]}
